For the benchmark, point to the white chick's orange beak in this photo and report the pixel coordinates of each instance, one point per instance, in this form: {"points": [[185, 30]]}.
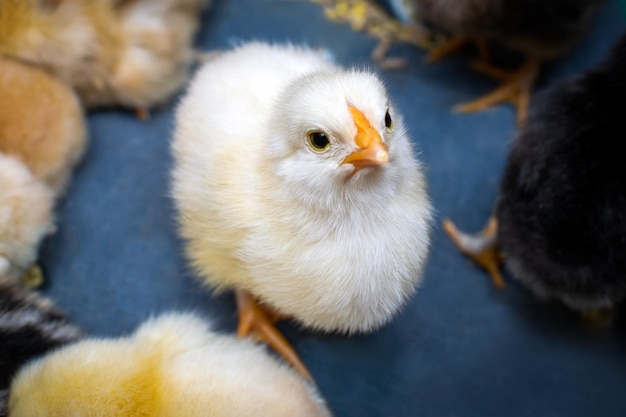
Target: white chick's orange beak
{"points": [[372, 150]]}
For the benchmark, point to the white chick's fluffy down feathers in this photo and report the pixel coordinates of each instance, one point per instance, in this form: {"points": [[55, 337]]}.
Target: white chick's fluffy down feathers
{"points": [[336, 248], [25, 217], [172, 366]]}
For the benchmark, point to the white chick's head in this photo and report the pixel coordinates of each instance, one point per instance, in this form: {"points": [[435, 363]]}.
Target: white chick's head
{"points": [[341, 131], [25, 217]]}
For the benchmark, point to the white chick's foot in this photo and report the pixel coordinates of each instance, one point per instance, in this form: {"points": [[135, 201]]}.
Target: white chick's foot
{"points": [[516, 88], [259, 321], [481, 248]]}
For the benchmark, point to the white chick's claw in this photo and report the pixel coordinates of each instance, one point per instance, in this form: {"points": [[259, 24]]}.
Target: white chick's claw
{"points": [[295, 181]]}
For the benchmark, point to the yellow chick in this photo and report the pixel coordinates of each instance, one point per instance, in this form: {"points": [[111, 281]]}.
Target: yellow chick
{"points": [[296, 185], [172, 366], [42, 138], [133, 53]]}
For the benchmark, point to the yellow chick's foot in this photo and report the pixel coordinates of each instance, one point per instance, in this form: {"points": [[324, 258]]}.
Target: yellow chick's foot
{"points": [[33, 278], [142, 114], [598, 318], [259, 320], [481, 248], [516, 87], [368, 17]]}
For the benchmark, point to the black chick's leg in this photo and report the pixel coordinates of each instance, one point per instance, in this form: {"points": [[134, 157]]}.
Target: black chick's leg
{"points": [[445, 48], [516, 88], [481, 248], [598, 318]]}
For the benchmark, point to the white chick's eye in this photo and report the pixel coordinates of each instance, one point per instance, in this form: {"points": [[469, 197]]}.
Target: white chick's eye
{"points": [[318, 141], [388, 121]]}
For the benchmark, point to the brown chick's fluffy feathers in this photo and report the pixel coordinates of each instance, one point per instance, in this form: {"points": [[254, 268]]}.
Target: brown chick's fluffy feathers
{"points": [[42, 137], [134, 53], [30, 326], [41, 123], [171, 366]]}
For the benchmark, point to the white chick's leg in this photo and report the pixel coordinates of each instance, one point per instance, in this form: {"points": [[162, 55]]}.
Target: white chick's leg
{"points": [[516, 88], [259, 320], [481, 248]]}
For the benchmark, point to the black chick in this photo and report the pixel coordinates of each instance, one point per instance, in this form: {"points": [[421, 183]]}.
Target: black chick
{"points": [[540, 29], [560, 219], [30, 326]]}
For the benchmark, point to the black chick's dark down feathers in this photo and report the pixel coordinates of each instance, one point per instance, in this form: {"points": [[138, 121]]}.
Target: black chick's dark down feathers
{"points": [[562, 205], [30, 326], [541, 28]]}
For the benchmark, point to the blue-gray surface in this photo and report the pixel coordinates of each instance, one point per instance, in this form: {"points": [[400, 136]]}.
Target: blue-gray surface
{"points": [[459, 348]]}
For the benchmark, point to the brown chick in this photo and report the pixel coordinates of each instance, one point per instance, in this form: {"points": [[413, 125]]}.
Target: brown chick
{"points": [[541, 30], [132, 53], [173, 365], [42, 138]]}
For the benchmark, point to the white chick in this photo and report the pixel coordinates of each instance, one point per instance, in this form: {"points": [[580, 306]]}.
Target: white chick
{"points": [[172, 366], [25, 218], [297, 186]]}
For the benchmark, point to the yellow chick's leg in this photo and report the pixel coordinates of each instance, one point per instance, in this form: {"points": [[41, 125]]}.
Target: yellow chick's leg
{"points": [[256, 319], [516, 87], [481, 248]]}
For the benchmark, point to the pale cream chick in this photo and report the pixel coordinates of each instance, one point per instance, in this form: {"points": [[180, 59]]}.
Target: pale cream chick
{"points": [[42, 138], [133, 53], [172, 366], [26, 215], [297, 186]]}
